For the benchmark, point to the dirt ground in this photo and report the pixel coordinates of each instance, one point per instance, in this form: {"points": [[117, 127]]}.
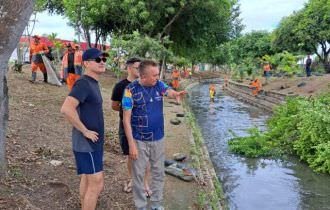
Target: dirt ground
{"points": [[313, 85], [38, 134], [304, 86]]}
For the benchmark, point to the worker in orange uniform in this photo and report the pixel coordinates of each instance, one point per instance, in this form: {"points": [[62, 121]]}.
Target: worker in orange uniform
{"points": [[255, 85], [175, 79], [71, 65], [37, 49], [212, 92]]}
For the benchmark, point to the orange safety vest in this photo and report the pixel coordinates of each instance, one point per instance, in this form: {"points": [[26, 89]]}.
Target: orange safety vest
{"points": [[255, 86]]}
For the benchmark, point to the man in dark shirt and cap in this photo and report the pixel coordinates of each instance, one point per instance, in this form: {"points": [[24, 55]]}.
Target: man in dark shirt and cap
{"points": [[83, 109]]}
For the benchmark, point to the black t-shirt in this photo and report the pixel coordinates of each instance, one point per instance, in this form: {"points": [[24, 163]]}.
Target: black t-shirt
{"points": [[308, 62], [117, 94]]}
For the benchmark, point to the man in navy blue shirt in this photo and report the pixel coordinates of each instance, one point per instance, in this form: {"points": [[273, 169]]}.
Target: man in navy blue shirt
{"points": [[144, 127], [83, 109]]}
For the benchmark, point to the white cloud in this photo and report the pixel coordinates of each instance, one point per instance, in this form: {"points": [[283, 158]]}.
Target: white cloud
{"points": [[47, 24], [266, 14]]}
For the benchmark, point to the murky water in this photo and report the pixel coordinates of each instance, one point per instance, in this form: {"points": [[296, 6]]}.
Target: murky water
{"points": [[254, 184]]}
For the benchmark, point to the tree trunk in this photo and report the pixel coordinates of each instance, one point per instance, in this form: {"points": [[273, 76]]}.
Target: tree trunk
{"points": [[14, 16]]}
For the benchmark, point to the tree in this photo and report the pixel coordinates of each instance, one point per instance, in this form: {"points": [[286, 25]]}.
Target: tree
{"points": [[58, 46], [253, 45], [202, 25], [235, 20], [306, 31], [14, 16], [193, 26]]}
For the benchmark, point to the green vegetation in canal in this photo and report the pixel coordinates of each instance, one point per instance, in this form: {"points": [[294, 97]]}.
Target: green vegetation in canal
{"points": [[300, 127], [255, 145]]}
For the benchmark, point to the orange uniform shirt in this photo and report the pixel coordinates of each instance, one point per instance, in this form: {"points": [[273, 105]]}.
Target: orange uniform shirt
{"points": [[36, 48]]}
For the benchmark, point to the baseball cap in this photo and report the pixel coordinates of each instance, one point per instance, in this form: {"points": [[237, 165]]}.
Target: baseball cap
{"points": [[93, 53]]}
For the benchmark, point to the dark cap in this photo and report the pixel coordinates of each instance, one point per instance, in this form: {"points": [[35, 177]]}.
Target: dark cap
{"points": [[36, 37], [93, 53]]}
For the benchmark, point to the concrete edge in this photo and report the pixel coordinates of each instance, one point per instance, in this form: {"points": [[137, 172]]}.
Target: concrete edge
{"points": [[205, 164]]}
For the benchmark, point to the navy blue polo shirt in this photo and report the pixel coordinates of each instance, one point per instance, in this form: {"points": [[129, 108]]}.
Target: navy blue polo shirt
{"points": [[87, 91]]}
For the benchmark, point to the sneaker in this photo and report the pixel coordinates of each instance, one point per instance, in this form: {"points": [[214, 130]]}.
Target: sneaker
{"points": [[158, 208]]}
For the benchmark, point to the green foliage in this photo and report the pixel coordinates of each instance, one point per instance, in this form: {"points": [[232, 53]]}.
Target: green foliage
{"points": [[193, 26], [255, 145], [58, 46], [306, 30], [301, 127], [236, 21], [137, 44], [202, 25], [252, 45], [283, 62], [202, 200], [179, 61], [312, 144], [53, 6]]}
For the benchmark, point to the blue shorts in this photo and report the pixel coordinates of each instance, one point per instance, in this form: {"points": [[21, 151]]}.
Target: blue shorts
{"points": [[267, 74], [89, 162]]}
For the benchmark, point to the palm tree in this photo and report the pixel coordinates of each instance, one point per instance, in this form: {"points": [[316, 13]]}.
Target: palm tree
{"points": [[57, 46]]}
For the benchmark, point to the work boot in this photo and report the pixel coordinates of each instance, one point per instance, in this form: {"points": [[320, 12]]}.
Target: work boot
{"points": [[45, 77], [33, 77]]}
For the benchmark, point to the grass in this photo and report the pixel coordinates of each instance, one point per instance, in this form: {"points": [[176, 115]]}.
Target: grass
{"points": [[207, 197]]}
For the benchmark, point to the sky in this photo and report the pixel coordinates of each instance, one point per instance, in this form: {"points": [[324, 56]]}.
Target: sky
{"points": [[267, 14], [256, 15]]}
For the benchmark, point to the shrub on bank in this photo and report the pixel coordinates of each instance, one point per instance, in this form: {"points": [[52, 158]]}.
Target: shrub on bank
{"points": [[301, 127]]}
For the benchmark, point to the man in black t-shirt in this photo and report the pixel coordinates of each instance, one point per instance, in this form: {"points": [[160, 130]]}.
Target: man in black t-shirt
{"points": [[308, 66], [132, 66]]}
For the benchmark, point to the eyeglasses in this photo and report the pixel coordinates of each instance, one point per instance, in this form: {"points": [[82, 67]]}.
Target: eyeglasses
{"points": [[98, 60]]}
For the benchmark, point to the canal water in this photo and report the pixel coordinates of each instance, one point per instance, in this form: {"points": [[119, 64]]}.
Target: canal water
{"points": [[253, 183]]}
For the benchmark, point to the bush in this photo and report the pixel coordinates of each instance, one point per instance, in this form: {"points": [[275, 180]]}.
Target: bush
{"points": [[255, 145], [283, 62], [300, 127]]}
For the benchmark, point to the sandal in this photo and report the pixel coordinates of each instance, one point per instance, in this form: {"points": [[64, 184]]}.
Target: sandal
{"points": [[128, 186]]}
